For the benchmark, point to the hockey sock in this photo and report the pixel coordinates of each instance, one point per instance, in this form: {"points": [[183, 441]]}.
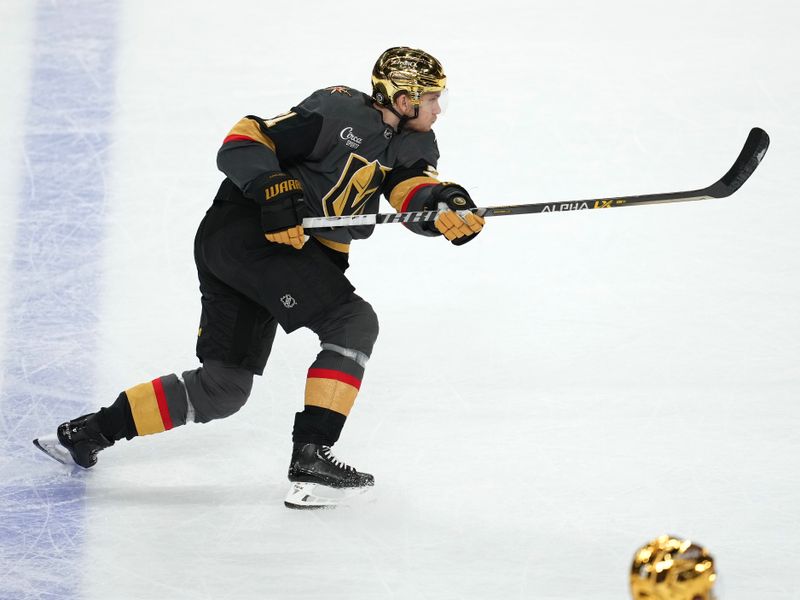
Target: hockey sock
{"points": [[331, 388], [116, 421], [318, 426], [147, 408]]}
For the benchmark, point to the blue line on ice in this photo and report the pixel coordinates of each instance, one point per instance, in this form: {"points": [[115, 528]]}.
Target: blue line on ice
{"points": [[55, 280]]}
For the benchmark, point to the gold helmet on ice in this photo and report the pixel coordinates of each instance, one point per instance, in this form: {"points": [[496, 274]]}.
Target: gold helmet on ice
{"points": [[671, 568], [408, 70]]}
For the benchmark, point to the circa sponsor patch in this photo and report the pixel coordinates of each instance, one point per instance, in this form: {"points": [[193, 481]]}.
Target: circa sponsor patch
{"points": [[352, 140]]}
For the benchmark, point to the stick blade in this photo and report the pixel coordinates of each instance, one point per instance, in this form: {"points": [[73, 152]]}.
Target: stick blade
{"points": [[755, 147]]}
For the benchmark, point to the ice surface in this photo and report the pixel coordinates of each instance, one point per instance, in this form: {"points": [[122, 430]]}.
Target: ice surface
{"points": [[540, 401]]}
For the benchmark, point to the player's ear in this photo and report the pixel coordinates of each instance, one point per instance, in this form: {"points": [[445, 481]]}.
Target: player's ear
{"points": [[402, 102]]}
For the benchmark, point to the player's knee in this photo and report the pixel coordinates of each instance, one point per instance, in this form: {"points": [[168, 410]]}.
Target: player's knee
{"points": [[351, 326], [221, 406], [369, 325], [216, 391]]}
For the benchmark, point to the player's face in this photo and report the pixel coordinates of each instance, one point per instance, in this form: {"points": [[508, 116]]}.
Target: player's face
{"points": [[429, 109]]}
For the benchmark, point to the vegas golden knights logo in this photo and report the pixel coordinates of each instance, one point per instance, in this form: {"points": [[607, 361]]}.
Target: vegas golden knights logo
{"points": [[359, 181]]}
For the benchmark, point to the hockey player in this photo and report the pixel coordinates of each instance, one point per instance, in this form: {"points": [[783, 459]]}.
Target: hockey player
{"points": [[332, 154], [671, 568]]}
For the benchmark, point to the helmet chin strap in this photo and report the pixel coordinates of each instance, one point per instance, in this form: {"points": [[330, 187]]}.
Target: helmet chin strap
{"points": [[403, 118]]}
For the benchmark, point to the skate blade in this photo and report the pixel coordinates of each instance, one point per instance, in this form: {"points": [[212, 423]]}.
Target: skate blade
{"points": [[50, 445], [304, 495]]}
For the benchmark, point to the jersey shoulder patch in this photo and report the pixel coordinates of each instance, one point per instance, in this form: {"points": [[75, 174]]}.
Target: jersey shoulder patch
{"points": [[339, 89], [338, 100]]}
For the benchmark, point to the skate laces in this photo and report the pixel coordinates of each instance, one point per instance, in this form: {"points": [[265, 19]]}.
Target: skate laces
{"points": [[326, 452]]}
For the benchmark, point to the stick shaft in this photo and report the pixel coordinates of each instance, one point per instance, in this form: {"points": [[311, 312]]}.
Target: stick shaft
{"points": [[752, 153]]}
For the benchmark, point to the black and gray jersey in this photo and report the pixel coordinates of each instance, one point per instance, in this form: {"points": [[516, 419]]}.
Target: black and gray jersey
{"points": [[336, 143]]}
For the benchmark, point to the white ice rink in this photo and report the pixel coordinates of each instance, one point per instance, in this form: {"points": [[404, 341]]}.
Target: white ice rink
{"points": [[540, 402]]}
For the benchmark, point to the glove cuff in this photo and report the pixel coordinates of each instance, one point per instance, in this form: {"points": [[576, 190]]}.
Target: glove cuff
{"points": [[452, 194], [281, 201], [282, 213]]}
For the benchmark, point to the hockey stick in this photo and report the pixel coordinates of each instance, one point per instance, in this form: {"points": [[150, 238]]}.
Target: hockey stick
{"points": [[755, 147]]}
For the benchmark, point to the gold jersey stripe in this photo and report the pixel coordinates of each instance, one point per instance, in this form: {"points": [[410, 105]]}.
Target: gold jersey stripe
{"points": [[331, 394], [402, 189], [144, 408], [338, 246], [282, 117], [249, 128]]}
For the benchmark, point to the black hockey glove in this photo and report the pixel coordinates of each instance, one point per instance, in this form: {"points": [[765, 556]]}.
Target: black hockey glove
{"points": [[458, 228], [283, 209]]}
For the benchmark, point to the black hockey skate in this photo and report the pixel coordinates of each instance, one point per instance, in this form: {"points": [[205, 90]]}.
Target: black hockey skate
{"points": [[320, 480], [77, 441]]}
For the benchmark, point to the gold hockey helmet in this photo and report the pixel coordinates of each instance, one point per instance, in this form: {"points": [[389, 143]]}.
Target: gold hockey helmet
{"points": [[409, 70], [671, 568]]}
